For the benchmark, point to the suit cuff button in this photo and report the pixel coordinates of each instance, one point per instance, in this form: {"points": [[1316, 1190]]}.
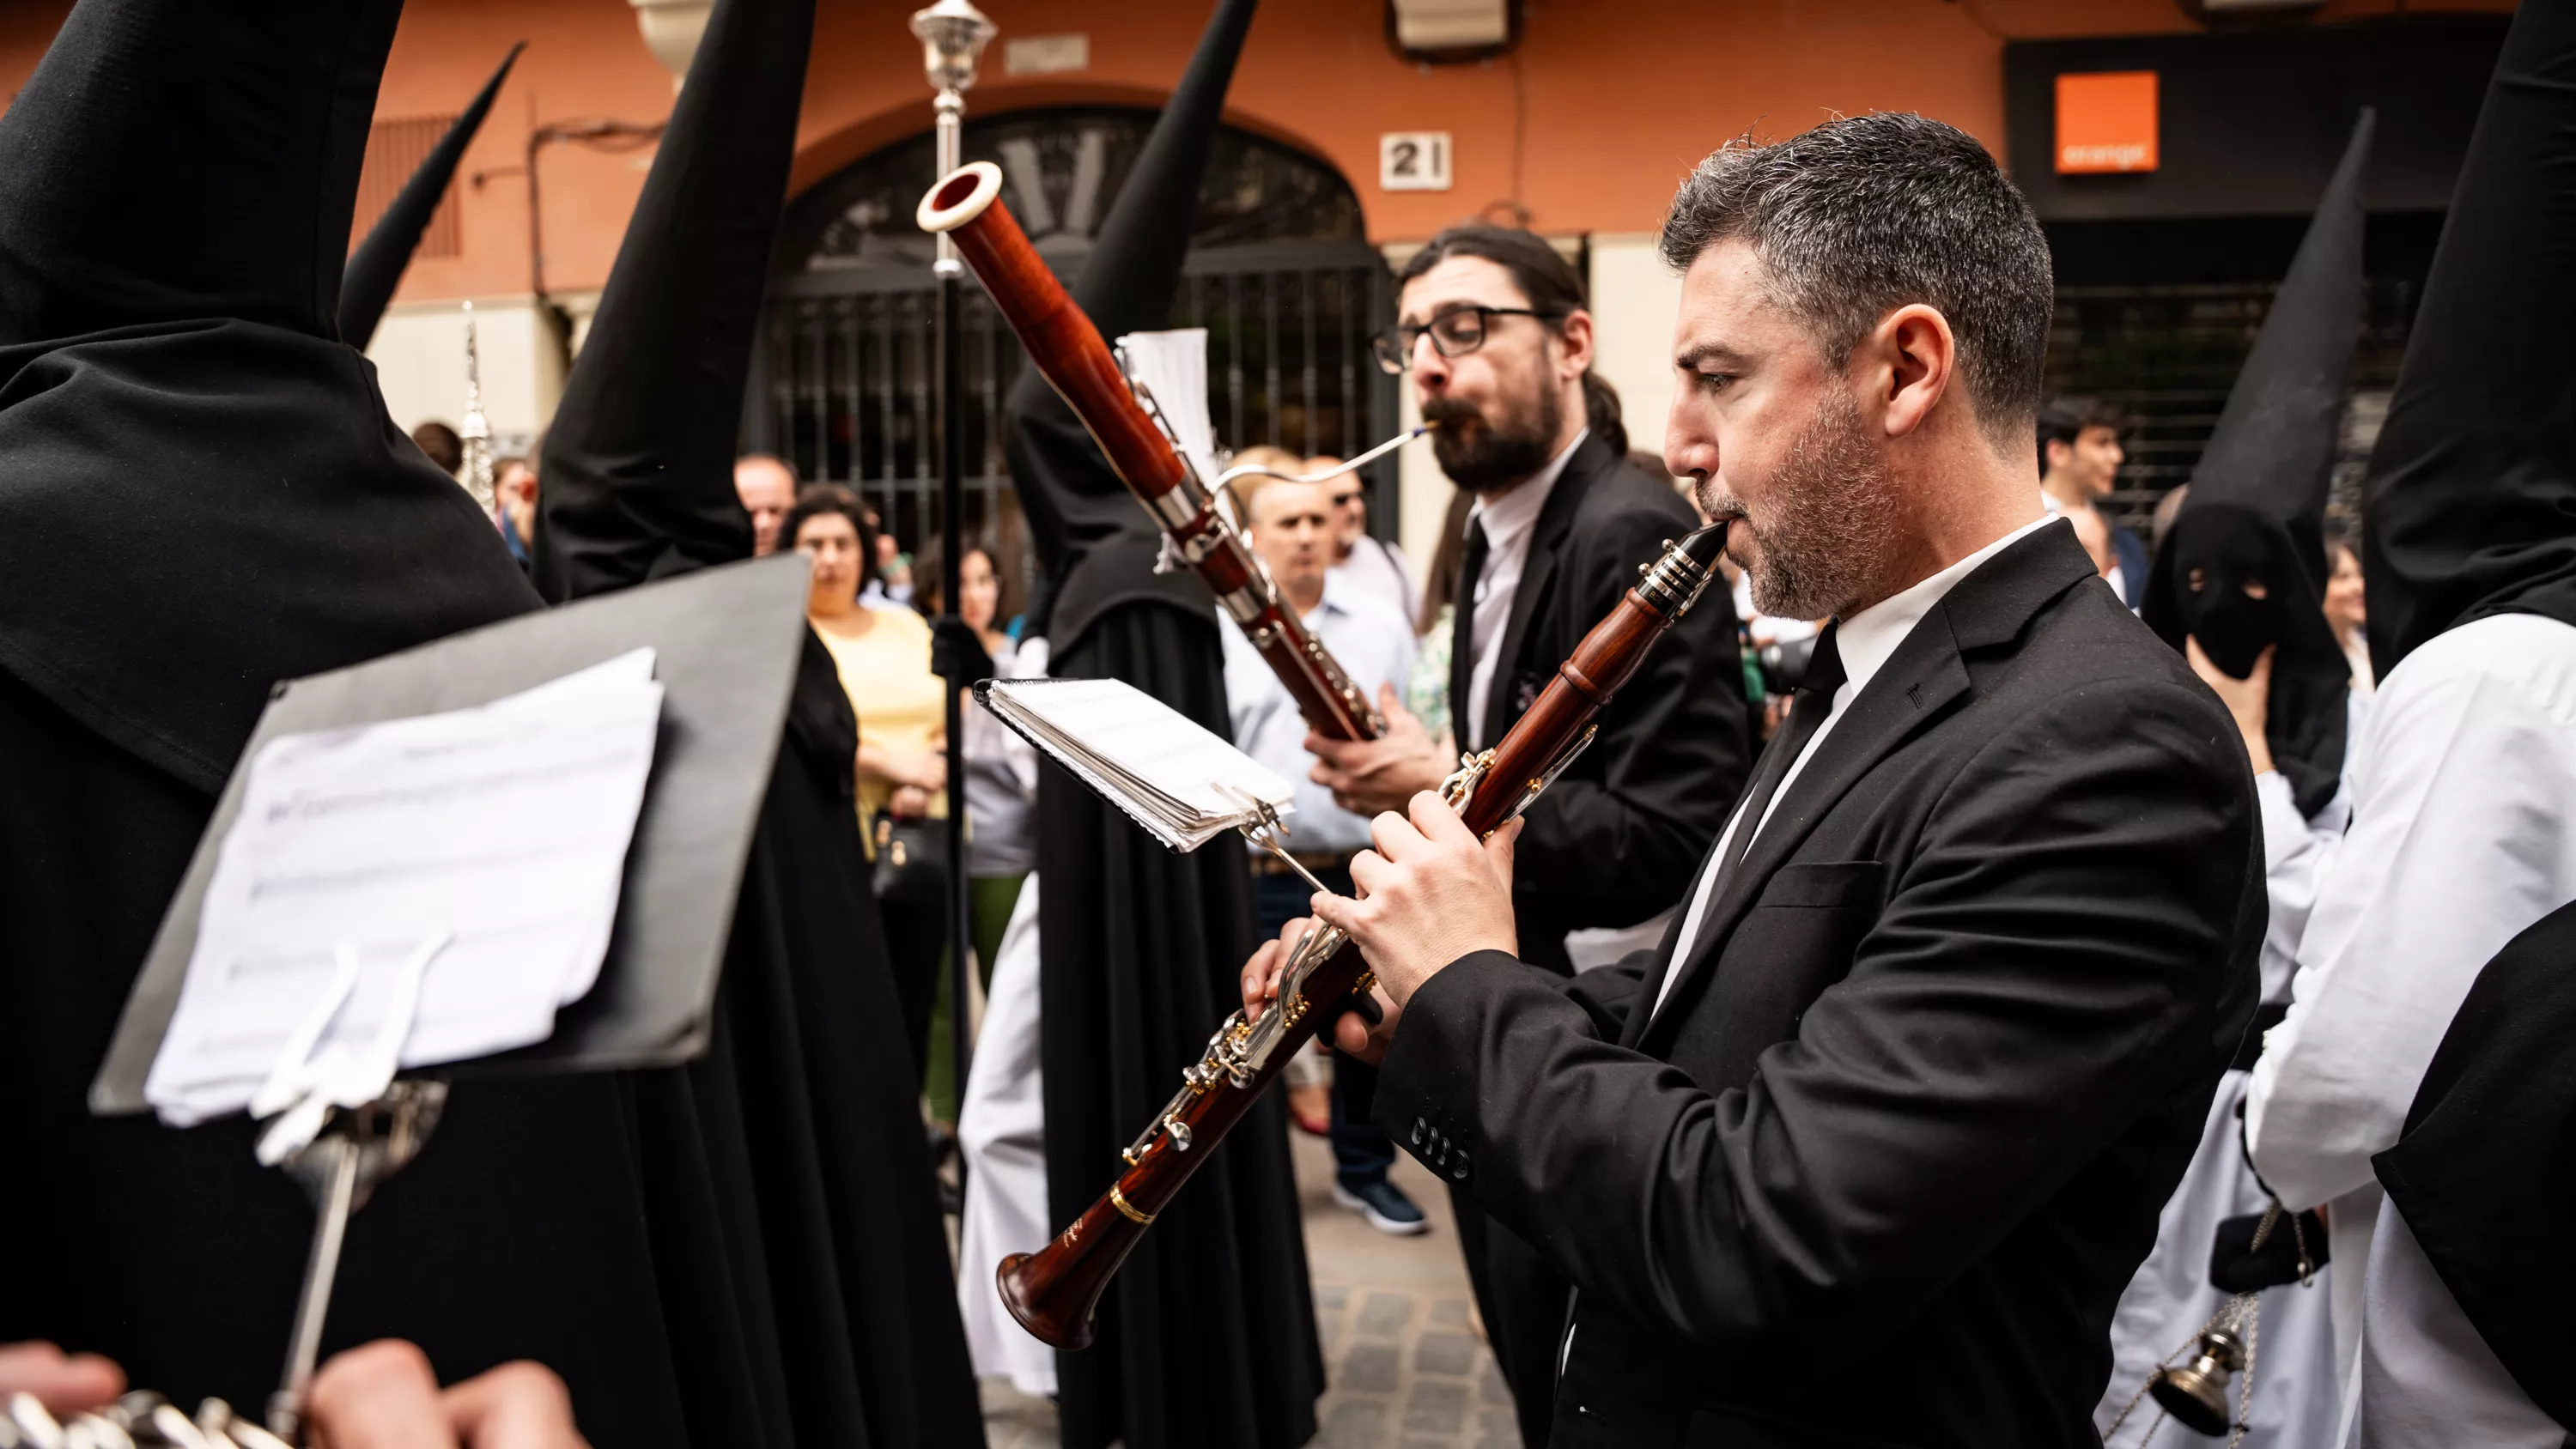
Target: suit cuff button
{"points": [[1458, 1165], [1421, 1130]]}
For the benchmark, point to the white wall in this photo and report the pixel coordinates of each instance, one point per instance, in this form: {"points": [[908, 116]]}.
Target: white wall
{"points": [[419, 353], [1634, 299]]}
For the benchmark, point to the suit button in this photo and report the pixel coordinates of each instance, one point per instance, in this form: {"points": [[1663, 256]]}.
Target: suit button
{"points": [[1420, 1129], [1458, 1168]]}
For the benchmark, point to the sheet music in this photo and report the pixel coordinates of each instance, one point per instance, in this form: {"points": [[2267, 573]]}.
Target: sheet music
{"points": [[1184, 784], [1173, 366], [505, 825]]}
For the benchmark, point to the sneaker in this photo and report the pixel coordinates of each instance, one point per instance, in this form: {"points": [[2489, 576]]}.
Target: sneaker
{"points": [[1384, 1205]]}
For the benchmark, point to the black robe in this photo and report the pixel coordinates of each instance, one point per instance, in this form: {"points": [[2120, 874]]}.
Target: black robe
{"points": [[201, 494]]}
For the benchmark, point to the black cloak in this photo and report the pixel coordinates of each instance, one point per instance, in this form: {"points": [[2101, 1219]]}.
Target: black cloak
{"points": [[2256, 511], [840, 1280], [2470, 508], [200, 494], [377, 266], [2476, 497], [1207, 1336]]}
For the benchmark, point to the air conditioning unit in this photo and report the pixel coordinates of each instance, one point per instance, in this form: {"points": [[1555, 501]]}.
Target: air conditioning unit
{"points": [[1448, 31]]}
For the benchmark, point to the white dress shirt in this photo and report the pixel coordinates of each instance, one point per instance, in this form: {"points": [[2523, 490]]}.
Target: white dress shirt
{"points": [[1379, 570], [2464, 833], [1374, 646], [1866, 641], [1509, 519]]}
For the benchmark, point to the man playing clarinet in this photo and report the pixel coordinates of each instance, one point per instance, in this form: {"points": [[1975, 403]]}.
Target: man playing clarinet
{"points": [[1867, 1150]]}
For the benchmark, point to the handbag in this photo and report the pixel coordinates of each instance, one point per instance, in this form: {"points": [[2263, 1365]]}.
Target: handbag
{"points": [[912, 859]]}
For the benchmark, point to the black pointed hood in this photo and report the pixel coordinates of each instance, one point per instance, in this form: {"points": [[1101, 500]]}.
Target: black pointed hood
{"points": [[1090, 534], [200, 490], [2470, 508], [2256, 511], [637, 472], [379, 262]]}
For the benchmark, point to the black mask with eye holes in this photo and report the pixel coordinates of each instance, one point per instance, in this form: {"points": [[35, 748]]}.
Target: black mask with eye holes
{"points": [[2229, 576]]}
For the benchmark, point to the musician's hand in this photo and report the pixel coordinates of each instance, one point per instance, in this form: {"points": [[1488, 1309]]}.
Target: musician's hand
{"points": [[1369, 776], [1430, 893], [384, 1396], [1352, 1034], [65, 1383]]}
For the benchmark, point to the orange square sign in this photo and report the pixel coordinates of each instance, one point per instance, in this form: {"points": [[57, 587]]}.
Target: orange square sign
{"points": [[2106, 122]]}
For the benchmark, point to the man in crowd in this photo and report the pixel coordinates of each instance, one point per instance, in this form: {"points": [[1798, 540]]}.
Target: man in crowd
{"points": [[441, 444], [1362, 562], [1294, 528], [768, 488], [514, 498], [1867, 1151], [2079, 461], [1495, 335]]}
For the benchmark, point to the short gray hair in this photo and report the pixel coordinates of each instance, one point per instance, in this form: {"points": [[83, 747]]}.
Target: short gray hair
{"points": [[1866, 214]]}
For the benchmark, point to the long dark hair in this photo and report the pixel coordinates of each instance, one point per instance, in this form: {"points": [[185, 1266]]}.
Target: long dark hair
{"points": [[1551, 285], [815, 500], [1448, 560]]}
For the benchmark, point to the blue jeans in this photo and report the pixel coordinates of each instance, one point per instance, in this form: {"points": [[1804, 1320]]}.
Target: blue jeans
{"points": [[1362, 1152]]}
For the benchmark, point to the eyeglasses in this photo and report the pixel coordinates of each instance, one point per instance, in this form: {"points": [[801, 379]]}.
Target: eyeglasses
{"points": [[1453, 333]]}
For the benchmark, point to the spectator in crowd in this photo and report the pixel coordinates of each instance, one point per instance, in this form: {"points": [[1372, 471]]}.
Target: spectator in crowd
{"points": [[1001, 779], [1295, 528], [1426, 688], [883, 655], [767, 486], [514, 496], [2344, 604], [1375, 566], [442, 445], [2168, 508], [2094, 532], [2079, 461]]}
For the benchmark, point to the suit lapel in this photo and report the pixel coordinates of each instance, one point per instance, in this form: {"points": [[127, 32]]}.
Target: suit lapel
{"points": [[1538, 573], [1918, 682]]}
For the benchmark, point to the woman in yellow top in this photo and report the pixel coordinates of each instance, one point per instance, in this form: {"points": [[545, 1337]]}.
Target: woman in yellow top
{"points": [[883, 656]]}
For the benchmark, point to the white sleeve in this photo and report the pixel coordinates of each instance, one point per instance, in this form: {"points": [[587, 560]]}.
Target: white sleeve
{"points": [[2459, 840], [2296, 853]]}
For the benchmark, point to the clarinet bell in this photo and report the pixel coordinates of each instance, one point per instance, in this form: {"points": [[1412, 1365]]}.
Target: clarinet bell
{"points": [[2195, 1393]]}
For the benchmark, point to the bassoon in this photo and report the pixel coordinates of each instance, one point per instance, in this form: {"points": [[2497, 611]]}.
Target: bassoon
{"points": [[1053, 1291], [1067, 349]]}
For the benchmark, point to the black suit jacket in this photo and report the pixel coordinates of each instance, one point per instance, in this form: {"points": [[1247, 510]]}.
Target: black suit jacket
{"points": [[1878, 1171], [1615, 839]]}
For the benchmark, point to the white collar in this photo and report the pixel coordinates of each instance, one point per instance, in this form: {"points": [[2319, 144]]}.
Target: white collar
{"points": [[1868, 638], [1511, 515]]}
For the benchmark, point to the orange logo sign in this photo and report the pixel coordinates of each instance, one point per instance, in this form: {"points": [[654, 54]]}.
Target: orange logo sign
{"points": [[2106, 122]]}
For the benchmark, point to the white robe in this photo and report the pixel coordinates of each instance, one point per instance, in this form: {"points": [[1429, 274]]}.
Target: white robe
{"points": [[2464, 833], [1001, 1131], [2294, 1403]]}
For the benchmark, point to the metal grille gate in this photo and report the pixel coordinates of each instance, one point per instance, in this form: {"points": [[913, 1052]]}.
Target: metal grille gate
{"points": [[846, 386]]}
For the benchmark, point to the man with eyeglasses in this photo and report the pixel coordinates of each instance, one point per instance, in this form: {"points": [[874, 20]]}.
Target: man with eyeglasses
{"points": [[1493, 332]]}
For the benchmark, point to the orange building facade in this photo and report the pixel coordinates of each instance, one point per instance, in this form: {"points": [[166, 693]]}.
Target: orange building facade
{"points": [[1580, 132]]}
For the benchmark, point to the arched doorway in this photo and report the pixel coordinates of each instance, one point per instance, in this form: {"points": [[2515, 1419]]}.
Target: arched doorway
{"points": [[1280, 272]]}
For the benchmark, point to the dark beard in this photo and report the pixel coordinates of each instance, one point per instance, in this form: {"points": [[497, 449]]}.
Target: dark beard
{"points": [[1481, 456], [1831, 522]]}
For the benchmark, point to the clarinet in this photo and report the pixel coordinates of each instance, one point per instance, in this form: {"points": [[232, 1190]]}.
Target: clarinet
{"points": [[966, 206], [1053, 1291]]}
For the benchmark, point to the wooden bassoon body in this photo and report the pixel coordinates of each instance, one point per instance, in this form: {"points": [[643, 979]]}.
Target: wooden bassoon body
{"points": [[966, 205]]}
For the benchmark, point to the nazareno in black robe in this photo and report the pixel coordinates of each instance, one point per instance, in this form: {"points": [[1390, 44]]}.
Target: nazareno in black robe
{"points": [[819, 1100], [200, 494], [1207, 1336], [2472, 512]]}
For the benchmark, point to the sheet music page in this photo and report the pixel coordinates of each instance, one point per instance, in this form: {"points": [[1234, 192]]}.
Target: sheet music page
{"points": [[1177, 779], [1173, 366], [505, 826]]}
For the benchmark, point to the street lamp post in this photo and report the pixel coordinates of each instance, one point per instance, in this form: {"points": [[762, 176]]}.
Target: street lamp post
{"points": [[953, 34]]}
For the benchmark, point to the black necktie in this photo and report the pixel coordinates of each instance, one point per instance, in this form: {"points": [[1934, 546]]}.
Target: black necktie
{"points": [[1807, 710], [1462, 634]]}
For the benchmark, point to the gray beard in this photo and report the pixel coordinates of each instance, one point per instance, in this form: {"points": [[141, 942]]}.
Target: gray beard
{"points": [[1831, 521]]}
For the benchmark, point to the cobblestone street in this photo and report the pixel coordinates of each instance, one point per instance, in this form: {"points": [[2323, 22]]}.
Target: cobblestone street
{"points": [[1405, 1367]]}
